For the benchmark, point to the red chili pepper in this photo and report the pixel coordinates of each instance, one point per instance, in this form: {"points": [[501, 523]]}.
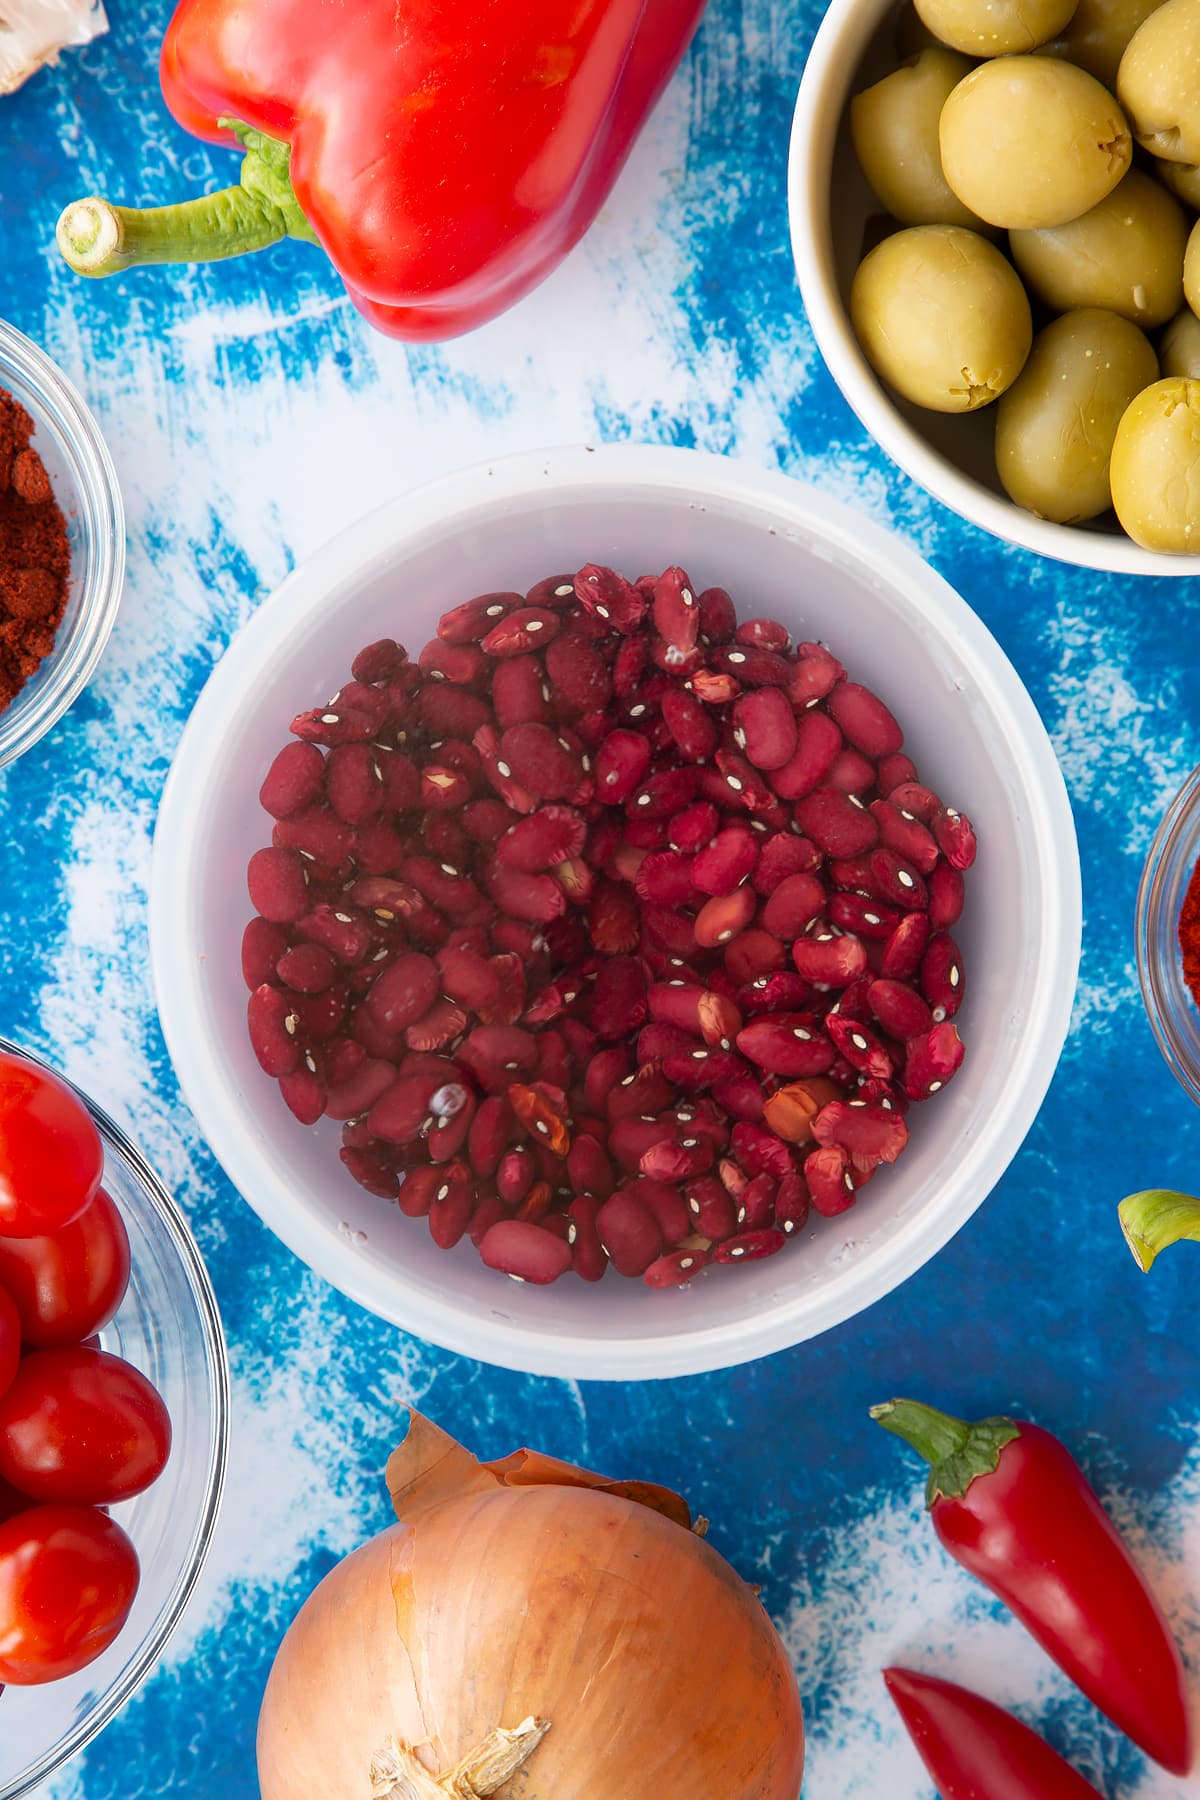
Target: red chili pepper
{"points": [[1010, 1504], [976, 1751], [446, 153]]}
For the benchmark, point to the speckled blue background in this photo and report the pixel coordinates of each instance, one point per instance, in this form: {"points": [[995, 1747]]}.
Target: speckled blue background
{"points": [[250, 414]]}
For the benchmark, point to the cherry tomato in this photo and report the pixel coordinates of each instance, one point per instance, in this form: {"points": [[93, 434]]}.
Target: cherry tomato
{"points": [[51, 1157], [11, 1503], [68, 1575], [81, 1425], [68, 1285], [10, 1339]]}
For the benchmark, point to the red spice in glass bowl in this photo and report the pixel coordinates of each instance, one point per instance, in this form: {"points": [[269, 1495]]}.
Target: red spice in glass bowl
{"points": [[1189, 934], [613, 930], [34, 554]]}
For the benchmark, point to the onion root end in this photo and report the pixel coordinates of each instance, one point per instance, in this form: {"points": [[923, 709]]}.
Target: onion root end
{"points": [[396, 1774]]}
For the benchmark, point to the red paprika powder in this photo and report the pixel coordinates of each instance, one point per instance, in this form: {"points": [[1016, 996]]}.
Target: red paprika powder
{"points": [[35, 555], [1189, 934]]}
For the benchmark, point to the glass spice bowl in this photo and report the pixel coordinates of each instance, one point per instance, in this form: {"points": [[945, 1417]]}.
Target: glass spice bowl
{"points": [[168, 1326], [1173, 1013], [81, 472]]}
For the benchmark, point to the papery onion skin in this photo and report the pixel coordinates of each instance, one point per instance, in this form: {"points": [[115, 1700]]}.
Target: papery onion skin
{"points": [[657, 1667]]}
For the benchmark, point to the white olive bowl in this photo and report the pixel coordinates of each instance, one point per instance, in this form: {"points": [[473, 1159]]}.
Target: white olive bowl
{"points": [[830, 208]]}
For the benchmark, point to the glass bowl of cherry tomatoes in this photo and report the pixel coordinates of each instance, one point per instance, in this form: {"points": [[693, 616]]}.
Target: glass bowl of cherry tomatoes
{"points": [[114, 1419]]}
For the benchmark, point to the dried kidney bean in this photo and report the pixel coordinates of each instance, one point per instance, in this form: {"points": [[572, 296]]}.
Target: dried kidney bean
{"points": [[852, 772], [263, 944], [955, 838], [751, 1246], [868, 1131], [932, 1059], [272, 1023], [371, 1172], [946, 890], [902, 832], [725, 862], [895, 770], [942, 981], [830, 1184], [629, 1232], [865, 720], [836, 822], [295, 780], [818, 742], [756, 1204], [278, 885], [679, 810], [792, 906], [677, 1268], [828, 960], [712, 1208], [899, 1008], [525, 1251], [789, 1045]]}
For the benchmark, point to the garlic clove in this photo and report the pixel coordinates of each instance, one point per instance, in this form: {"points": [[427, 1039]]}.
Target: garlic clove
{"points": [[32, 32]]}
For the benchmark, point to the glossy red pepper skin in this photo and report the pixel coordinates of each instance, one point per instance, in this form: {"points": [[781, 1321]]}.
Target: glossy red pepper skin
{"points": [[447, 153], [1027, 1523], [974, 1750]]}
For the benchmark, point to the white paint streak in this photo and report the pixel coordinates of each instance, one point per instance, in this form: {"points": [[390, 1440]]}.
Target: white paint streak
{"points": [[1123, 754], [299, 1484]]}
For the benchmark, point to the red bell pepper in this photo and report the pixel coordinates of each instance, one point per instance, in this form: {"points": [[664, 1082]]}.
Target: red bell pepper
{"points": [[1010, 1504], [976, 1751], [445, 153]]}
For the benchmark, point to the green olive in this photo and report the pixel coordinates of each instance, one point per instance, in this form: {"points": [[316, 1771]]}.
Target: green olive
{"points": [[1126, 255], [1159, 82], [1183, 179], [1056, 424], [941, 317], [1179, 346], [1096, 37], [1155, 468], [994, 27], [912, 33], [1028, 141], [1191, 270], [895, 130]]}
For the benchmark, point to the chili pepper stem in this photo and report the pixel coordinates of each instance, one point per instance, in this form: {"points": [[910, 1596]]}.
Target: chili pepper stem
{"points": [[934, 1435], [956, 1451], [98, 238], [1155, 1219]]}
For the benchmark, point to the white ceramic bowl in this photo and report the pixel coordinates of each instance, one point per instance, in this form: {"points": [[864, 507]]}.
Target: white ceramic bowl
{"points": [[780, 550], [829, 205]]}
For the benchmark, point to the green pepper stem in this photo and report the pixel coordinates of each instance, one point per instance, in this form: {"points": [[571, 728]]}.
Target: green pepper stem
{"points": [[1155, 1219], [97, 238], [932, 1434], [956, 1451]]}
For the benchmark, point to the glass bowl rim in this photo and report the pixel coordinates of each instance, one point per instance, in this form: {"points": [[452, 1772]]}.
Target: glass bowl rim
{"points": [[1180, 815], [99, 495], [142, 1664]]}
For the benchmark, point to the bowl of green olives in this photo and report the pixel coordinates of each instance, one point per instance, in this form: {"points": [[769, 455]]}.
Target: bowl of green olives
{"points": [[994, 216]]}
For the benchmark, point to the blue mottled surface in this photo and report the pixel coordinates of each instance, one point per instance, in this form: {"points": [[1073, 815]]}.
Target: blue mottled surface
{"points": [[250, 414]]}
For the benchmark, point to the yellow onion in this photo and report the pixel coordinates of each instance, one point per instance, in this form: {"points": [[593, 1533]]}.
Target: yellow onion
{"points": [[531, 1630]]}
